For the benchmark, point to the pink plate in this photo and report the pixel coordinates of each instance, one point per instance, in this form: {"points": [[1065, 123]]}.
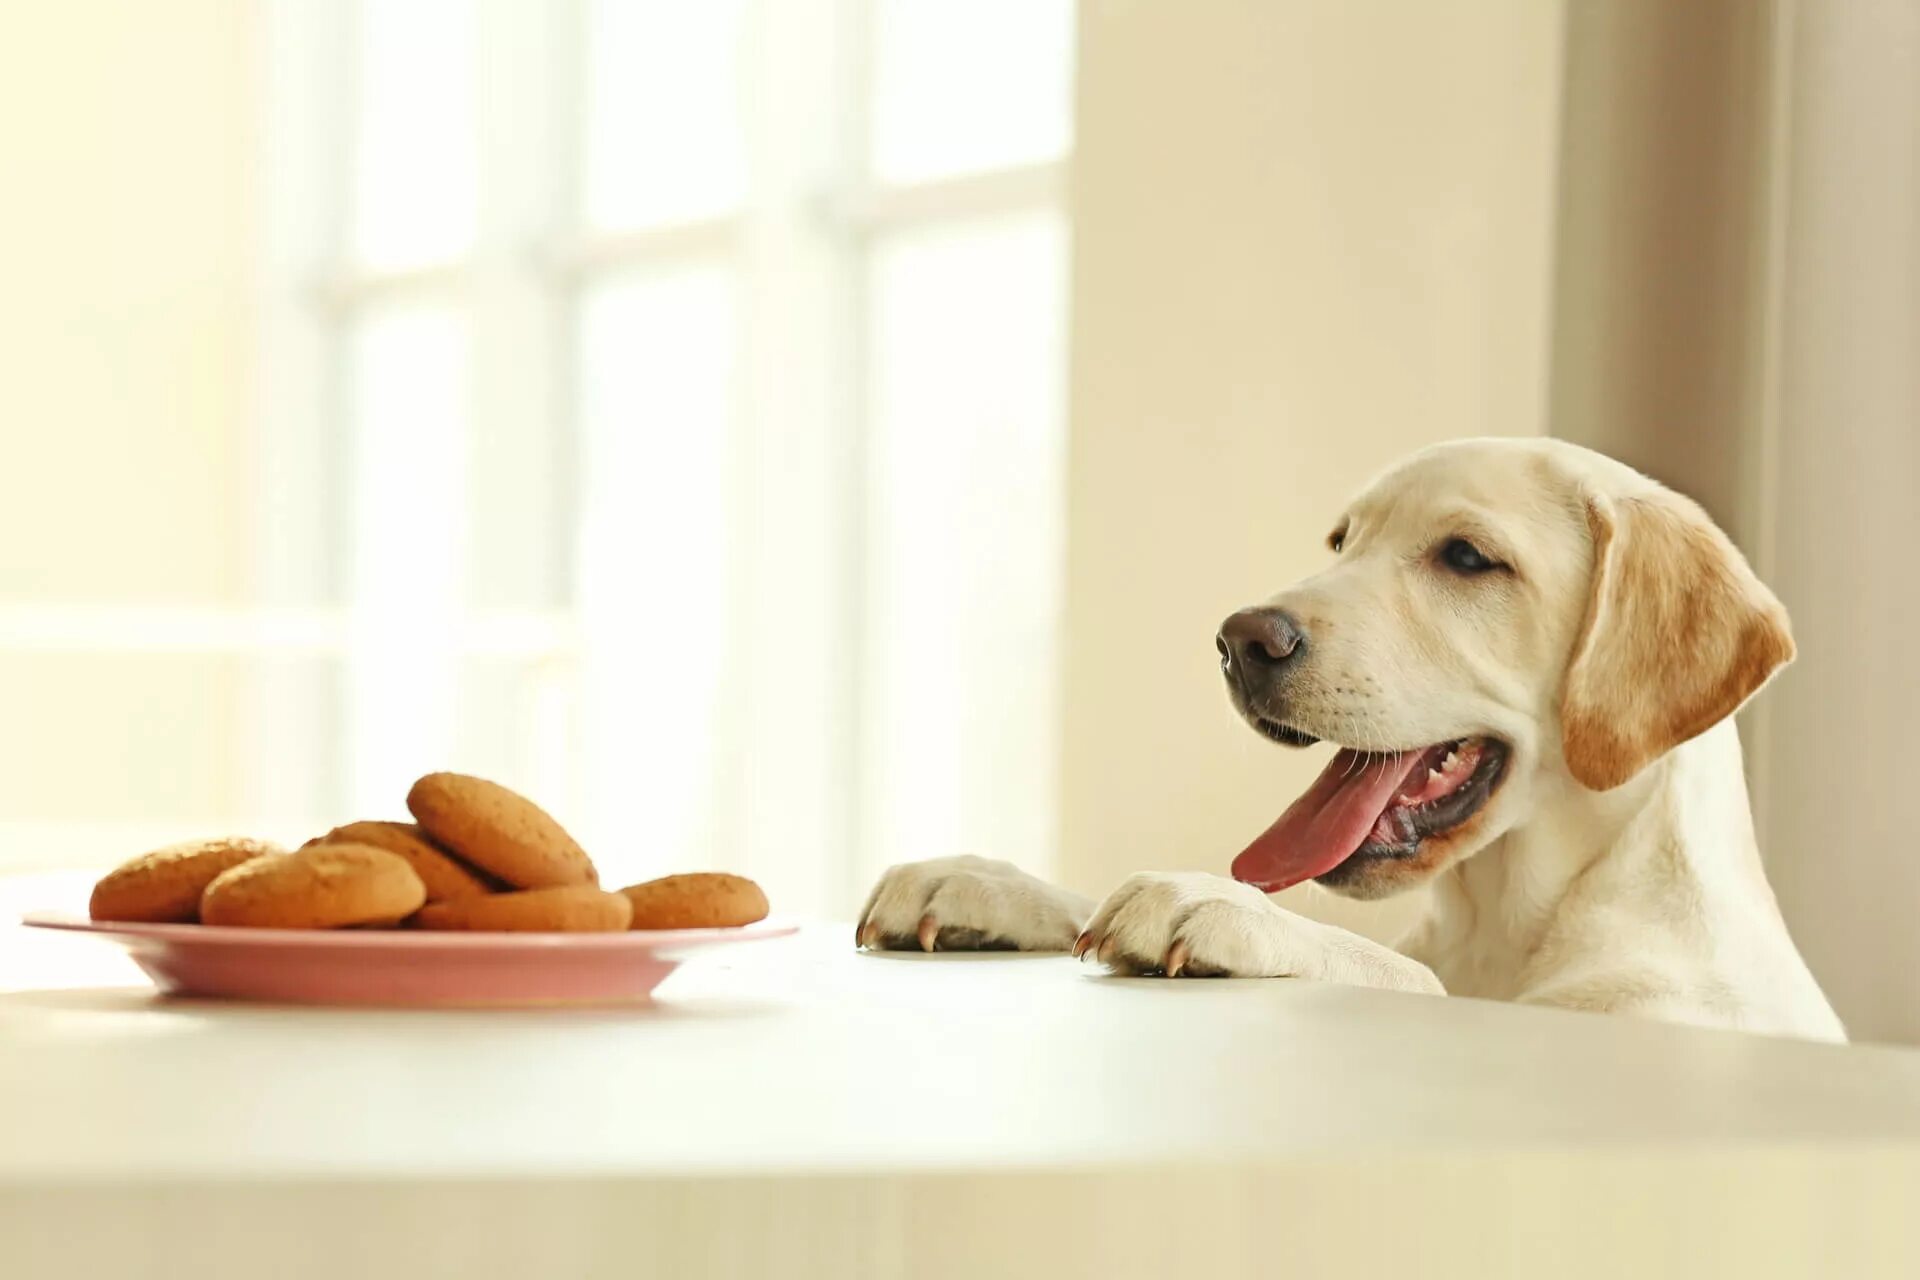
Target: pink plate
{"points": [[395, 967]]}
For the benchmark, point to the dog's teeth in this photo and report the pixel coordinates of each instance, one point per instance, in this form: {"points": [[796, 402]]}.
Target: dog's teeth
{"points": [[1433, 775]]}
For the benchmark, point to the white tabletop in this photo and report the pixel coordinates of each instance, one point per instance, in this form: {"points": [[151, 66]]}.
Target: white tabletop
{"points": [[794, 1108]]}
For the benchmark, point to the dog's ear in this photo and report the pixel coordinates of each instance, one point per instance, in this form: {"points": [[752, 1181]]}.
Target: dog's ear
{"points": [[1679, 633]]}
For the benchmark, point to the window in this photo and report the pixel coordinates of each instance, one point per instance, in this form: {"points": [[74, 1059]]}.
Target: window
{"points": [[661, 412]]}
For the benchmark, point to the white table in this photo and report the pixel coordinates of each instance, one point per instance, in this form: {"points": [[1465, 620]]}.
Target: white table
{"points": [[795, 1109]]}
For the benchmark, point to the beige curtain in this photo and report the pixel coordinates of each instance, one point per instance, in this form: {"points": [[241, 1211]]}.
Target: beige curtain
{"points": [[1737, 311]]}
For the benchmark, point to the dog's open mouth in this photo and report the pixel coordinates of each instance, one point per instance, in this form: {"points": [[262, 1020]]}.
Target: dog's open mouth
{"points": [[1371, 804]]}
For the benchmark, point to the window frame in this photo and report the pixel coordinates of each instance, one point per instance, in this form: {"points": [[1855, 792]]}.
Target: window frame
{"points": [[811, 210]]}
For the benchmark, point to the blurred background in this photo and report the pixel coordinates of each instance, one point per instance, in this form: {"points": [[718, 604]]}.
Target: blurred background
{"points": [[797, 436]]}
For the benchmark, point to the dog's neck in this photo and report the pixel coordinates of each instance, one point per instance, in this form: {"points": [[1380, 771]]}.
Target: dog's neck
{"points": [[1649, 838]]}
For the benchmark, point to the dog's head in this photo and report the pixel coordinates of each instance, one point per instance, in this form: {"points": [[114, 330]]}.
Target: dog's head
{"points": [[1501, 618]]}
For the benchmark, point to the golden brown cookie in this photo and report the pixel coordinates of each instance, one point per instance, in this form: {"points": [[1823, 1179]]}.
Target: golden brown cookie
{"points": [[444, 875], [499, 831], [323, 886], [696, 900], [576, 908], [164, 887]]}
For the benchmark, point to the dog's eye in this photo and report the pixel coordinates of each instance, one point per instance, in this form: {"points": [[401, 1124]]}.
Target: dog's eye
{"points": [[1338, 538], [1464, 558]]}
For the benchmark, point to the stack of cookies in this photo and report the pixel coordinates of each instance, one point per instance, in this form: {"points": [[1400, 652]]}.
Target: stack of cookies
{"points": [[477, 857]]}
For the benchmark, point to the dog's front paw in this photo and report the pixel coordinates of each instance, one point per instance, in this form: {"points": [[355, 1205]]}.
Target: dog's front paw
{"points": [[1185, 924], [968, 904]]}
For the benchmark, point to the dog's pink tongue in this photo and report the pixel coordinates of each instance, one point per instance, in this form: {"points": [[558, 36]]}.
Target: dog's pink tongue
{"points": [[1321, 829]]}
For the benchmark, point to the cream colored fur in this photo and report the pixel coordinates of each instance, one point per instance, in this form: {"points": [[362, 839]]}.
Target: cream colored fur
{"points": [[1614, 868]]}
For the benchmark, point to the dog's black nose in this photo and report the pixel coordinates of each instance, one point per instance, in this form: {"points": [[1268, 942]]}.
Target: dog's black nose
{"points": [[1253, 643]]}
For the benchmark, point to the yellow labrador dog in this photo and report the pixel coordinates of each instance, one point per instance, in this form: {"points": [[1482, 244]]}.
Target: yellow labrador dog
{"points": [[1529, 657]]}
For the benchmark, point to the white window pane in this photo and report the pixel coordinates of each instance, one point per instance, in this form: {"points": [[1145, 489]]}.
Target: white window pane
{"points": [[655, 585], [965, 85], [415, 162], [965, 540], [510, 724], [663, 118], [164, 728], [407, 487]]}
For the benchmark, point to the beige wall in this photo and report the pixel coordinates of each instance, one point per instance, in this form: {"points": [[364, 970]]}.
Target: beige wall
{"points": [[124, 328], [1309, 236]]}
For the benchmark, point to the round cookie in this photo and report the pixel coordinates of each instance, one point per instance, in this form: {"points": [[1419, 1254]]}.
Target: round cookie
{"points": [[576, 908], [164, 887], [499, 831], [444, 875], [323, 886], [696, 900]]}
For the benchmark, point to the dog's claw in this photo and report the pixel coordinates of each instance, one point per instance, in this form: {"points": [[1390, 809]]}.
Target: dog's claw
{"points": [[1176, 959], [869, 935], [1081, 943], [929, 932], [1105, 954]]}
